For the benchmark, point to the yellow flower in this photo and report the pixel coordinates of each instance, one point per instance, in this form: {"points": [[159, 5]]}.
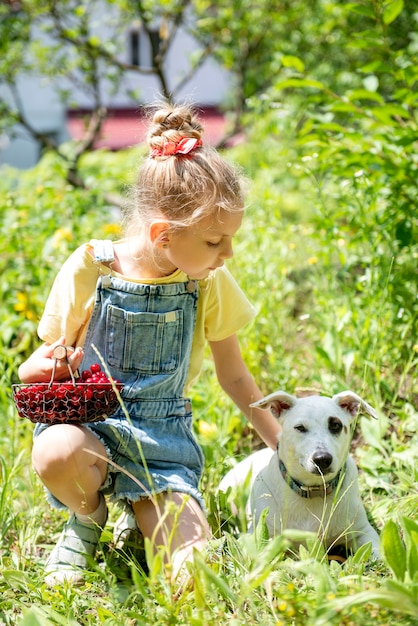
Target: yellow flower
{"points": [[22, 305], [313, 260], [22, 302], [208, 431], [62, 234], [112, 229]]}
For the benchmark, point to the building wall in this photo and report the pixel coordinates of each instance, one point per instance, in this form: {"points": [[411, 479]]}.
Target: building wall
{"points": [[47, 114]]}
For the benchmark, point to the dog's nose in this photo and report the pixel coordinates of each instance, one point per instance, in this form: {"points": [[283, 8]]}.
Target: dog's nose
{"points": [[322, 460]]}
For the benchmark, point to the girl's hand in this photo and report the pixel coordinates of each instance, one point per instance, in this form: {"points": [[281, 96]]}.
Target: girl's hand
{"points": [[39, 366]]}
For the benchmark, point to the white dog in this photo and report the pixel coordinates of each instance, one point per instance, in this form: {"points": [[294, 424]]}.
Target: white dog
{"points": [[311, 483]]}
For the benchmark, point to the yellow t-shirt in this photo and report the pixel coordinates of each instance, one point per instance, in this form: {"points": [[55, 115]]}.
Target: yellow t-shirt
{"points": [[222, 306]]}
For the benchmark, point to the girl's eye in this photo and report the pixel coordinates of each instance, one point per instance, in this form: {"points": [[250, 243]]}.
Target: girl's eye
{"points": [[213, 244]]}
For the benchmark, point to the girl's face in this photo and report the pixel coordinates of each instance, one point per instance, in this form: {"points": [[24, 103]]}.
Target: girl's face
{"points": [[203, 247]]}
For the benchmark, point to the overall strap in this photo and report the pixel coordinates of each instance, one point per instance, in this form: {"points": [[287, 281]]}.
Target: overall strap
{"points": [[103, 250]]}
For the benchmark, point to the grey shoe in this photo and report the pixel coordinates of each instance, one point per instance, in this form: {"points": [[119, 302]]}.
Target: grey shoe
{"points": [[74, 551]]}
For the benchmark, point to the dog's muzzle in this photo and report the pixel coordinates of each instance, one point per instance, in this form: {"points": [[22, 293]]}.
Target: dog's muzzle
{"points": [[309, 491]]}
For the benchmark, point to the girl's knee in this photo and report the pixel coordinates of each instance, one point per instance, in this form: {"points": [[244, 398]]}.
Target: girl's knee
{"points": [[172, 514], [60, 449]]}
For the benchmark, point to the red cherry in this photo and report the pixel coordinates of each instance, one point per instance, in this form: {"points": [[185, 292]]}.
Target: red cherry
{"points": [[65, 401], [88, 393]]}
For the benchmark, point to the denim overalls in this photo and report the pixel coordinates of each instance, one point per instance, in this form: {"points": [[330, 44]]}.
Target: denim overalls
{"points": [[144, 333]]}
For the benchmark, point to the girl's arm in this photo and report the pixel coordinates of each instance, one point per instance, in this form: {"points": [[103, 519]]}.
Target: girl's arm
{"points": [[38, 367], [237, 382]]}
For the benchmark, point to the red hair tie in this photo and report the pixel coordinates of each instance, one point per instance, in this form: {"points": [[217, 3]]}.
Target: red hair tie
{"points": [[184, 146]]}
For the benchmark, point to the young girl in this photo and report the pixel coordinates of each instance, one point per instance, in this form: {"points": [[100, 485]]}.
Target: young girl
{"points": [[147, 304]]}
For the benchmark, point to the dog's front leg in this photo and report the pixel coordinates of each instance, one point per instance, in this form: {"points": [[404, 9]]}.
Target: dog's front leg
{"points": [[365, 533]]}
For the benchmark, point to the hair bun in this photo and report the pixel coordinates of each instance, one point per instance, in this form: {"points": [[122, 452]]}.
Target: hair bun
{"points": [[170, 123]]}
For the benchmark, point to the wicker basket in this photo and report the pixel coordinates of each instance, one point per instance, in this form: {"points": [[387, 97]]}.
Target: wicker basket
{"points": [[68, 402]]}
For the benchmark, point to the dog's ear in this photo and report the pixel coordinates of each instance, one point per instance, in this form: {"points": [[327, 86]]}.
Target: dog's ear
{"points": [[278, 402], [351, 402]]}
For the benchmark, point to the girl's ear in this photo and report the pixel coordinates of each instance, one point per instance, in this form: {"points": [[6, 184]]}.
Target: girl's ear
{"points": [[159, 234]]}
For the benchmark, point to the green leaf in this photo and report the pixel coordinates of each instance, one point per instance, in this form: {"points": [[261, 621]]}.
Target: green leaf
{"points": [[411, 540], [395, 599], [324, 354], [372, 433], [364, 94], [32, 618], [261, 531], [154, 558], [38, 616], [391, 10], [265, 562], [299, 82], [18, 580], [387, 112], [362, 555], [393, 549], [94, 41], [276, 548], [139, 581], [216, 581], [292, 61], [361, 9]]}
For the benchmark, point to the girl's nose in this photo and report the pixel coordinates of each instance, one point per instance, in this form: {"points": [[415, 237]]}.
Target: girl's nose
{"points": [[227, 252]]}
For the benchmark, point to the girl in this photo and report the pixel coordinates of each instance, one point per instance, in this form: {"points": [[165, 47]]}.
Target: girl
{"points": [[147, 304]]}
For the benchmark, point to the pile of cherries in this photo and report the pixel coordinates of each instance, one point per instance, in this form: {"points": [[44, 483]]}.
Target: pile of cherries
{"points": [[92, 399]]}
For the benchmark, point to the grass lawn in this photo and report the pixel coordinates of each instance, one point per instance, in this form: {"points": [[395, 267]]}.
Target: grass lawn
{"points": [[332, 314]]}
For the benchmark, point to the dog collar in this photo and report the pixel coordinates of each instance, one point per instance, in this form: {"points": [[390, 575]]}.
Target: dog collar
{"points": [[305, 491]]}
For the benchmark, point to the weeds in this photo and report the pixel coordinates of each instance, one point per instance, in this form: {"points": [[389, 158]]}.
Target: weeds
{"points": [[330, 316]]}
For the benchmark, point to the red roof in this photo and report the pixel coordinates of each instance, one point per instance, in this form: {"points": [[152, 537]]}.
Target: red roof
{"points": [[126, 127]]}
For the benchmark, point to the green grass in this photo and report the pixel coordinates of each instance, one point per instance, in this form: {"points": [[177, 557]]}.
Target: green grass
{"points": [[332, 315]]}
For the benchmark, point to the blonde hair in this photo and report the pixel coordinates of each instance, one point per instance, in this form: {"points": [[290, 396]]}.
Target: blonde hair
{"points": [[181, 188]]}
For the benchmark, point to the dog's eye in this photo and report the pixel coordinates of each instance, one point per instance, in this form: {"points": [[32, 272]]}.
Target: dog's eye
{"points": [[301, 428], [335, 425]]}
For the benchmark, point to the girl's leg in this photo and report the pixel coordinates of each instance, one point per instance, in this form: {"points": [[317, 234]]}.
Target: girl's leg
{"points": [[71, 462], [176, 521]]}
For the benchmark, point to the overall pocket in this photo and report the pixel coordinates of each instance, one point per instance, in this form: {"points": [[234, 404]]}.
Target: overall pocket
{"points": [[144, 342]]}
